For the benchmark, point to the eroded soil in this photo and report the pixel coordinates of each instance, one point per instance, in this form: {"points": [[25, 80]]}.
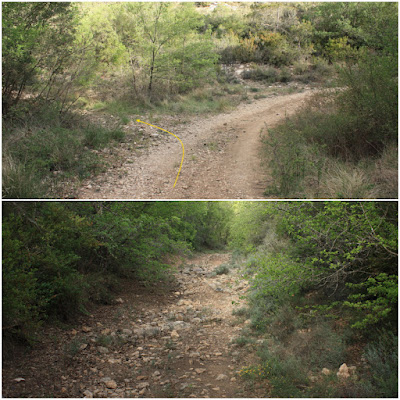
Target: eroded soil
{"points": [[164, 341], [222, 156]]}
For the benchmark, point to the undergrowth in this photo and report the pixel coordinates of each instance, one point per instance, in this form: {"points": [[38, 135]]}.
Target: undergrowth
{"points": [[296, 349], [319, 153], [339, 144], [42, 150]]}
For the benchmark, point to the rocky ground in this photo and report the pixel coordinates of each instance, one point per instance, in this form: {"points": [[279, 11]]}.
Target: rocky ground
{"points": [[164, 341]]}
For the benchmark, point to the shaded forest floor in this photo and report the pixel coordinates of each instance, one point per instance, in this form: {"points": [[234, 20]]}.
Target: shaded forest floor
{"points": [[222, 154], [169, 340]]}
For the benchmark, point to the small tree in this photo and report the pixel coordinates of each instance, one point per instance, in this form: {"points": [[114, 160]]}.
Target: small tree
{"points": [[164, 45], [27, 28]]}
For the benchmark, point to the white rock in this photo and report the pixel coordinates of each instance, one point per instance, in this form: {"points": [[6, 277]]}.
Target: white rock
{"points": [[221, 377], [343, 371], [326, 371], [88, 394], [174, 334], [103, 350], [111, 384], [200, 370], [143, 385]]}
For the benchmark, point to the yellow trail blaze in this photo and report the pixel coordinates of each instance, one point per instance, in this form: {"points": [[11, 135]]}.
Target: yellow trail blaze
{"points": [[183, 147]]}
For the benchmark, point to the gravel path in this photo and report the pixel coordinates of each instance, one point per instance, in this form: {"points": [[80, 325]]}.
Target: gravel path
{"points": [[173, 341]]}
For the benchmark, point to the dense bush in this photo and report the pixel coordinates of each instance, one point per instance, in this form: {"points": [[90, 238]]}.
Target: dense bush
{"points": [[346, 250], [60, 256], [324, 291], [356, 124], [382, 356]]}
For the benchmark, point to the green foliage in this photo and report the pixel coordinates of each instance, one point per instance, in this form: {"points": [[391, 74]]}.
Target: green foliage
{"points": [[221, 270], [323, 276], [243, 340], [290, 160], [277, 275], [364, 24], [72, 348], [47, 151], [347, 249], [340, 128], [163, 44], [27, 29], [378, 301], [60, 256], [267, 74], [286, 375], [359, 121], [370, 103], [382, 356], [246, 228]]}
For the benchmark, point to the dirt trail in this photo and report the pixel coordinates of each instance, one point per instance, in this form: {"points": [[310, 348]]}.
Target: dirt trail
{"points": [[174, 342], [222, 159]]}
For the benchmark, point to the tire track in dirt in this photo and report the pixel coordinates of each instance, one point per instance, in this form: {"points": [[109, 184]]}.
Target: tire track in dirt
{"points": [[222, 158]]}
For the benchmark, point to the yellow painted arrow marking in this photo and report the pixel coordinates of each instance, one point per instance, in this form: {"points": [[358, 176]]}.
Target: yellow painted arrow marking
{"points": [[183, 147]]}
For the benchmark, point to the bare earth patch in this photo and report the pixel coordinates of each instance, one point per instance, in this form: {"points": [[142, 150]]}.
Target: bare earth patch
{"points": [[164, 341], [222, 156]]}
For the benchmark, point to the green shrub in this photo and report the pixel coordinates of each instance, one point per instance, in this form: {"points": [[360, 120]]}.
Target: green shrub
{"points": [[221, 269], [104, 340], [376, 299], [286, 375], [382, 357], [372, 98], [72, 348], [241, 312], [321, 67], [242, 341], [20, 180], [101, 287], [267, 74], [299, 68], [61, 256], [285, 75], [289, 160], [320, 347], [47, 149]]}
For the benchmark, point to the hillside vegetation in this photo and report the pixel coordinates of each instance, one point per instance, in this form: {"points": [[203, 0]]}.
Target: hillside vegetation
{"points": [[75, 73], [323, 278]]}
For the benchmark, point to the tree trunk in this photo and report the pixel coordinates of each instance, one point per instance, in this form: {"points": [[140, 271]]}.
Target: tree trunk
{"points": [[151, 71]]}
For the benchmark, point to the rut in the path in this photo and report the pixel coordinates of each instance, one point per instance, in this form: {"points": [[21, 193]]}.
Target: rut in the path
{"points": [[176, 343]]}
